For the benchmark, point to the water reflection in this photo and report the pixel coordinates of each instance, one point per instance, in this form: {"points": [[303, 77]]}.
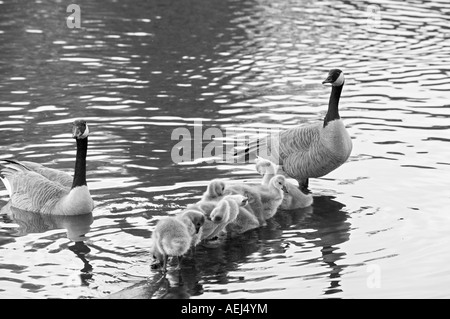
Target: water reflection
{"points": [[213, 267], [81, 250], [138, 71], [333, 229], [77, 228]]}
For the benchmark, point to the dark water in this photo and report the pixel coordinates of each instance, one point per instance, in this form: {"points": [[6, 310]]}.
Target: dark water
{"points": [[136, 71]]}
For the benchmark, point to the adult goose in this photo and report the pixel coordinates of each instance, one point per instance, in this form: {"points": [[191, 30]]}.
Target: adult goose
{"points": [[35, 188], [312, 150]]}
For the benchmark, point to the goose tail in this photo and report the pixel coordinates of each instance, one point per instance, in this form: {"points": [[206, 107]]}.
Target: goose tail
{"points": [[9, 168], [6, 183], [13, 164]]}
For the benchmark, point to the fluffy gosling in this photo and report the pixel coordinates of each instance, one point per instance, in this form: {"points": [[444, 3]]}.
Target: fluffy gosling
{"points": [[173, 236]]}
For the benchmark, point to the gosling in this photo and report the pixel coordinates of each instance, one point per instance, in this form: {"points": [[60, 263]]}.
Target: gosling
{"points": [[272, 195], [173, 236], [214, 191], [255, 205], [224, 213], [294, 198]]}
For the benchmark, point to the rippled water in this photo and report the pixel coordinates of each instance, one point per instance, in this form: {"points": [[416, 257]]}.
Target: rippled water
{"points": [[136, 71]]}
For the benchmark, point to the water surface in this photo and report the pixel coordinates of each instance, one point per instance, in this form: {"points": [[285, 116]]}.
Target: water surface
{"points": [[136, 71]]}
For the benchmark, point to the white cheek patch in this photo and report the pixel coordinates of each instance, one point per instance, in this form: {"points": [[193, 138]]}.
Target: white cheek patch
{"points": [[339, 80], [86, 132]]}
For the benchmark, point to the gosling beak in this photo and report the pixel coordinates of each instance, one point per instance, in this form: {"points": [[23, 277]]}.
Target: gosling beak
{"points": [[197, 228], [244, 202], [284, 189], [328, 80]]}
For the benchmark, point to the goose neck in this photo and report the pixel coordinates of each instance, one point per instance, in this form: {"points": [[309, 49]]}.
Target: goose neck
{"points": [[333, 105], [79, 178]]}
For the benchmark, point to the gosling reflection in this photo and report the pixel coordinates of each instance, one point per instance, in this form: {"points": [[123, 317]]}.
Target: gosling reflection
{"points": [[325, 219], [173, 287]]}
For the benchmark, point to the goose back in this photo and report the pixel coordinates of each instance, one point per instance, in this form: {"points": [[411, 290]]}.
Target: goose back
{"points": [[51, 174]]}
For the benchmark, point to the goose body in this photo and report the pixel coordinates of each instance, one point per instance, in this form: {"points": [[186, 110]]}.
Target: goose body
{"points": [[294, 198], [35, 188], [309, 151]]}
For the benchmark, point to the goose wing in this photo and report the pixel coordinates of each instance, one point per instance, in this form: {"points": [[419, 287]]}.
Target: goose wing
{"points": [[280, 147], [33, 192], [51, 174]]}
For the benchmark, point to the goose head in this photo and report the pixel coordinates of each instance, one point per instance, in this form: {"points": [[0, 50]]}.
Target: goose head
{"points": [[335, 77], [197, 219], [279, 182], [80, 129]]}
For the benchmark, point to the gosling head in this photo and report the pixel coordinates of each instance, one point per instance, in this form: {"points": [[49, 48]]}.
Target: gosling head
{"points": [[196, 217], [239, 199], [80, 129], [263, 166], [279, 182], [221, 212], [335, 77], [216, 188], [250, 197]]}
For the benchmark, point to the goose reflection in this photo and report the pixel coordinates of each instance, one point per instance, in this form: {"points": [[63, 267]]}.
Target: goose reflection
{"points": [[76, 226], [331, 229]]}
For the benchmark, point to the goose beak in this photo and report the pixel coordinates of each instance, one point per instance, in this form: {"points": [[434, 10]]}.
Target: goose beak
{"points": [[197, 228], [76, 132], [80, 131], [328, 80], [284, 189]]}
